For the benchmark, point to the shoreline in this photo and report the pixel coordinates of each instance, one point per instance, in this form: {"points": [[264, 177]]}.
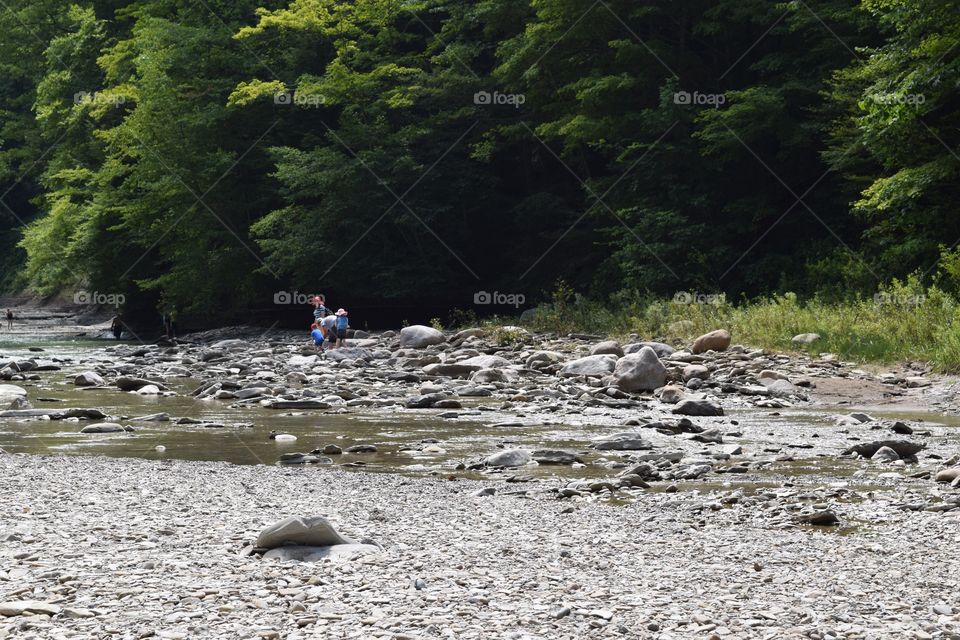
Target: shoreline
{"points": [[124, 542]]}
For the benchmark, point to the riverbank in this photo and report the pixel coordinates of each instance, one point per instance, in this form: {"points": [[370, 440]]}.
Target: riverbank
{"points": [[903, 322], [124, 545]]}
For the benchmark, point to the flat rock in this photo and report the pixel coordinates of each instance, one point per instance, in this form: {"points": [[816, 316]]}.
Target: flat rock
{"points": [[103, 427], [630, 441], [333, 553], [28, 607]]}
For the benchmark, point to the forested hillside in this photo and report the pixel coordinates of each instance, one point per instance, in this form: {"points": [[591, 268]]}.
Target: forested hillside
{"points": [[207, 154]]}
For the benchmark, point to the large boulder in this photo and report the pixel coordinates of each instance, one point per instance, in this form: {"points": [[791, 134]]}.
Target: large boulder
{"points": [[509, 458], [13, 397], [419, 336], [313, 531], [88, 379], [640, 371], [594, 366], [717, 340]]}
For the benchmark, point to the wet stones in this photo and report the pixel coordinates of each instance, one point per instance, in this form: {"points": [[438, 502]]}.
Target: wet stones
{"points": [[627, 441], [822, 518], [554, 456], [697, 407], [103, 427], [903, 448]]}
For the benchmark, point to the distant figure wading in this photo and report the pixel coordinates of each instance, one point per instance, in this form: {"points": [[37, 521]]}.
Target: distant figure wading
{"points": [[10, 319]]}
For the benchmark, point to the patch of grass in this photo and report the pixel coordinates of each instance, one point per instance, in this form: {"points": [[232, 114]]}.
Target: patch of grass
{"points": [[903, 321]]}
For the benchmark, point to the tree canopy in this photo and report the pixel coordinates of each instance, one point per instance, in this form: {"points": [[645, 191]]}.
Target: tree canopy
{"points": [[205, 155]]}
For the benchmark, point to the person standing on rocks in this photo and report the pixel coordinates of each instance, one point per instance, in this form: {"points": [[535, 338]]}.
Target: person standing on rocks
{"points": [[10, 319], [343, 322], [320, 310]]}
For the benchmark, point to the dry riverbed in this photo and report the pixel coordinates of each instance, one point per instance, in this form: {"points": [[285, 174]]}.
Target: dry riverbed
{"points": [[576, 488]]}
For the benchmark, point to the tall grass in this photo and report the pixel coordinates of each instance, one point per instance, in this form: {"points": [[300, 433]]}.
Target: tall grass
{"points": [[903, 321]]}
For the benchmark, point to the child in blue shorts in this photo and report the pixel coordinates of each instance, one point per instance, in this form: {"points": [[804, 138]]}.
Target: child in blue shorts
{"points": [[343, 321]]}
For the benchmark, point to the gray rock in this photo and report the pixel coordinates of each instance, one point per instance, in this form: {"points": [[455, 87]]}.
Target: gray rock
{"points": [[103, 427], [885, 454], [554, 456], [487, 376], [641, 371], [697, 407], [903, 448], [12, 397], [541, 359], [419, 336], [28, 607], [88, 379], [486, 362], [692, 371], [593, 366], [805, 338], [630, 441], [508, 458], [313, 531]]}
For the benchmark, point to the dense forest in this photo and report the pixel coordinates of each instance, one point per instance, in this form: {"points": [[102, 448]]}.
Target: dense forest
{"points": [[204, 155]]}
